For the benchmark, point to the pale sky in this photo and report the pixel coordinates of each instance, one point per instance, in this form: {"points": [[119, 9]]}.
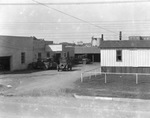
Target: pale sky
{"points": [[43, 22]]}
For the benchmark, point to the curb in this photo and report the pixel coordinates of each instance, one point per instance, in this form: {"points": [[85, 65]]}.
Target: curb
{"points": [[110, 98]]}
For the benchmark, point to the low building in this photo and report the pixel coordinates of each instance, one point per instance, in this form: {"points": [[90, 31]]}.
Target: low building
{"points": [[16, 52], [92, 53], [39, 49], [125, 56], [139, 37], [60, 50]]}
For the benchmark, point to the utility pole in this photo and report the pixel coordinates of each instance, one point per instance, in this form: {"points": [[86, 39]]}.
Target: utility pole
{"points": [[120, 35]]}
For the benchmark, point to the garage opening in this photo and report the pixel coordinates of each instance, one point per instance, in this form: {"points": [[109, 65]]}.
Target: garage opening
{"points": [[94, 57], [5, 63]]}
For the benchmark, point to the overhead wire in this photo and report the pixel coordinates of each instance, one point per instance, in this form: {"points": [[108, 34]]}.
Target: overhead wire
{"points": [[74, 17], [88, 22], [81, 3]]}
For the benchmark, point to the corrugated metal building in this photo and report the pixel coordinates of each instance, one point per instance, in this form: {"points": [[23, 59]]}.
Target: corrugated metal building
{"points": [[125, 56]]}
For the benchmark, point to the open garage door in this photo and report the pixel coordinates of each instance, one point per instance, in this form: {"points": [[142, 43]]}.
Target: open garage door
{"points": [[5, 63], [94, 57]]}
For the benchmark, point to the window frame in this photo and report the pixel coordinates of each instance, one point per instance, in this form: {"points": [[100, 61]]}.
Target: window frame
{"points": [[39, 55], [23, 57], [118, 55], [48, 54]]}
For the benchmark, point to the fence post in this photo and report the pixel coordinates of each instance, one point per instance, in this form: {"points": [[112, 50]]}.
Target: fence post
{"points": [[81, 77], [105, 78], [136, 78], [95, 73], [90, 75]]}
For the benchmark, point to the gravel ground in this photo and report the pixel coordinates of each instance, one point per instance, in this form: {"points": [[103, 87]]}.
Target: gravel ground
{"points": [[43, 83], [67, 83]]}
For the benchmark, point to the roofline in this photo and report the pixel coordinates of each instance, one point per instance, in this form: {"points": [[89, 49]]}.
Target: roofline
{"points": [[125, 48], [16, 36], [125, 44]]}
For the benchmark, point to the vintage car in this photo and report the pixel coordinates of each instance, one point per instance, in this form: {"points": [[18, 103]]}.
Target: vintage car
{"points": [[65, 64]]}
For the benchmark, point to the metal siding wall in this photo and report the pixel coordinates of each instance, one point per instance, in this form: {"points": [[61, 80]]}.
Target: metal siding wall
{"points": [[108, 57], [130, 58]]}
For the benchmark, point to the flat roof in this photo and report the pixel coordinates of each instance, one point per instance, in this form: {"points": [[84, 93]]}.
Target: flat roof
{"points": [[125, 44], [86, 50]]}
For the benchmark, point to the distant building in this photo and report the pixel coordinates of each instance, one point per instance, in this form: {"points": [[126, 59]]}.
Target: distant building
{"points": [[125, 56], [80, 43], [95, 41], [92, 53], [139, 37], [60, 50]]}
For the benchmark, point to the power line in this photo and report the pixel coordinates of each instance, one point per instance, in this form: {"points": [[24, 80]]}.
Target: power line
{"points": [[74, 17], [47, 22], [80, 3]]}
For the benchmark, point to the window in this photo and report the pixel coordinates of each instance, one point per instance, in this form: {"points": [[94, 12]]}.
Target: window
{"points": [[22, 57], [39, 55], [48, 54], [64, 54], [68, 54], [119, 55]]}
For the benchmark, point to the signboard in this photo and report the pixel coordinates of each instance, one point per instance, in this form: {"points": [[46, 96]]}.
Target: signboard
{"points": [[56, 47]]}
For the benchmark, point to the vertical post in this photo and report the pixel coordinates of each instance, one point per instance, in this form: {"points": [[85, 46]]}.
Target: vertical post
{"points": [[95, 73], [136, 78], [102, 37], [93, 58], [100, 70], [120, 35], [81, 77], [90, 75], [105, 79]]}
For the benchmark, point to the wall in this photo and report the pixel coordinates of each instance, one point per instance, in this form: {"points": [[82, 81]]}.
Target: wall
{"points": [[86, 50], [68, 49], [61, 49], [39, 47], [130, 58], [13, 46]]}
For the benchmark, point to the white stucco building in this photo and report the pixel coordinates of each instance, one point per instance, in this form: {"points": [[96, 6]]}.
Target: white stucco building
{"points": [[15, 52]]}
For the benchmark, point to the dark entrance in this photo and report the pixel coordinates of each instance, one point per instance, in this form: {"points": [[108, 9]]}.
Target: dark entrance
{"points": [[94, 57], [5, 63], [57, 57]]}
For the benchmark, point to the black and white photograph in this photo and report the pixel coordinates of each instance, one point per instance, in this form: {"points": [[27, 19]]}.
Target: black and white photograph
{"points": [[74, 58]]}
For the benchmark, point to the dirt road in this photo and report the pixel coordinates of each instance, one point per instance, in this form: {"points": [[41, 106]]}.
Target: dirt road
{"points": [[41, 83]]}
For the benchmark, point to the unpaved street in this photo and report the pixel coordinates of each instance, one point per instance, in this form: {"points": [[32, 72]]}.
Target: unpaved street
{"points": [[43, 82]]}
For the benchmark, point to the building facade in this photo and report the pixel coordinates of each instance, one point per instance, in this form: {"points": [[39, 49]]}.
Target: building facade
{"points": [[15, 52], [130, 56], [58, 51], [91, 53]]}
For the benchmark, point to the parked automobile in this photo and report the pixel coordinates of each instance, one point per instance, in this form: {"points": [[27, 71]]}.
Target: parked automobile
{"points": [[65, 64], [37, 65], [50, 64], [86, 61], [43, 64]]}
